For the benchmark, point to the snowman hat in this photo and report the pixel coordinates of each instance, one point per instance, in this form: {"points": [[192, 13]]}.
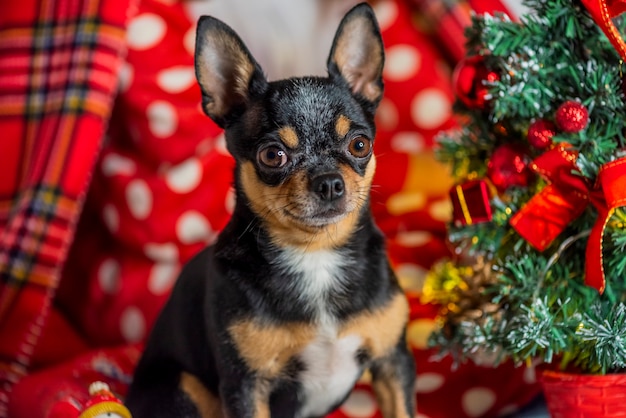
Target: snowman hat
{"points": [[102, 402]]}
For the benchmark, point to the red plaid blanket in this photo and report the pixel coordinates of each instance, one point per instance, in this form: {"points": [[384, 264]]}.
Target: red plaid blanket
{"points": [[59, 62]]}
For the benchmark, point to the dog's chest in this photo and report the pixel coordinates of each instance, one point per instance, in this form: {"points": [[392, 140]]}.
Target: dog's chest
{"points": [[315, 279], [330, 370], [330, 364]]}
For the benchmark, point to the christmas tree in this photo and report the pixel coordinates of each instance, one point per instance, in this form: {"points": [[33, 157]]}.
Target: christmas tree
{"points": [[539, 229]]}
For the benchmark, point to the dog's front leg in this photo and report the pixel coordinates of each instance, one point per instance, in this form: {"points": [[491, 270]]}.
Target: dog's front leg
{"points": [[393, 379], [246, 397]]}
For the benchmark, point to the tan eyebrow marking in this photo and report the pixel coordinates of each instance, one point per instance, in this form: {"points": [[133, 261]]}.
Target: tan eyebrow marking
{"points": [[342, 126], [289, 136]]}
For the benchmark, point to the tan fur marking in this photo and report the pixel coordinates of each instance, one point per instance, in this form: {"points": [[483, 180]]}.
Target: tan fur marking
{"points": [[268, 348], [261, 400], [289, 136], [390, 397], [342, 126], [381, 329], [270, 202], [207, 403]]}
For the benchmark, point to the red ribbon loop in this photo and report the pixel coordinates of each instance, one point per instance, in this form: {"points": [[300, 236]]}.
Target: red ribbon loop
{"points": [[547, 213], [612, 185], [602, 13]]}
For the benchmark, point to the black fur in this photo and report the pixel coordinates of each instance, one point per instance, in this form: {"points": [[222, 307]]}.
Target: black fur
{"points": [[244, 276]]}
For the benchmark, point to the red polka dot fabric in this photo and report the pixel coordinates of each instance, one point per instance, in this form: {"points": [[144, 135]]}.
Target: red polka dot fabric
{"points": [[162, 191]]}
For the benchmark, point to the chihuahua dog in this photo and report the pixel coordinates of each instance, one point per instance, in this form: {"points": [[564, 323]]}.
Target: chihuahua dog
{"points": [[296, 299]]}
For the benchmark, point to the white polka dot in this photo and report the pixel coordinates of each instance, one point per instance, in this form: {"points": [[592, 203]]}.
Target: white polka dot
{"points": [[162, 118], [404, 202], [486, 357], [220, 145], [430, 108], [139, 199], [411, 276], [418, 332], [413, 238], [408, 142], [441, 210], [132, 324], [231, 200], [162, 277], [360, 404], [145, 31], [478, 401], [428, 382], [402, 62], [204, 147], [111, 217], [193, 227], [126, 77], [387, 115], [508, 410], [117, 165], [386, 13], [185, 176], [530, 375], [176, 79], [109, 276], [189, 40], [161, 252]]}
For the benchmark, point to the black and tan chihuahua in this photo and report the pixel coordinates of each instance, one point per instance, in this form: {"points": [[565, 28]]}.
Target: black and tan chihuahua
{"points": [[296, 298]]}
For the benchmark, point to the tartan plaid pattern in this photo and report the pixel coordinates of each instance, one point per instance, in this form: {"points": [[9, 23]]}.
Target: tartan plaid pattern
{"points": [[447, 20], [59, 61]]}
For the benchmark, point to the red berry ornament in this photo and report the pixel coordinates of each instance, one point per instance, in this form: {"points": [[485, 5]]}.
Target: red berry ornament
{"points": [[572, 117], [508, 167], [540, 133], [470, 79]]}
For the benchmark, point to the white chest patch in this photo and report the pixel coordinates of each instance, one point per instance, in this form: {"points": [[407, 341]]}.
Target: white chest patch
{"points": [[319, 272], [331, 370]]}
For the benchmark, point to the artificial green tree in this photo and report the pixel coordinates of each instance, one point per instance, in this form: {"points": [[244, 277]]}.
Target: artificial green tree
{"points": [[539, 230]]}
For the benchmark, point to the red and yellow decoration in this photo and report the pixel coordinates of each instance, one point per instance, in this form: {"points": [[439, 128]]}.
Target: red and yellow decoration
{"points": [[610, 193], [547, 213], [540, 133], [571, 117], [508, 166], [471, 80], [101, 403], [566, 196], [602, 12], [470, 203]]}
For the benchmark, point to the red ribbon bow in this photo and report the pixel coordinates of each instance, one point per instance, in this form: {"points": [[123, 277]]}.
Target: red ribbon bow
{"points": [[602, 13], [547, 213], [612, 185]]}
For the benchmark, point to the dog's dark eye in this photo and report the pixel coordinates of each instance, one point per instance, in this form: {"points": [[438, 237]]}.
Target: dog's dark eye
{"points": [[360, 147], [273, 157]]}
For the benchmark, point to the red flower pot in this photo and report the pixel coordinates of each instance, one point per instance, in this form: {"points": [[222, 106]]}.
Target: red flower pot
{"points": [[584, 396]]}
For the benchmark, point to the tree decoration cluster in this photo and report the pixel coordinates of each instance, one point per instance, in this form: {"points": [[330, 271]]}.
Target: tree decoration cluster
{"points": [[539, 222]]}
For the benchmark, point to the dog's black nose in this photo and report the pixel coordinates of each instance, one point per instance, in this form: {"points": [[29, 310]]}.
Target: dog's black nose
{"points": [[328, 187]]}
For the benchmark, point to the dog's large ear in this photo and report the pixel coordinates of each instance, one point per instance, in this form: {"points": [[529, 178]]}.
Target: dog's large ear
{"points": [[226, 71], [357, 54]]}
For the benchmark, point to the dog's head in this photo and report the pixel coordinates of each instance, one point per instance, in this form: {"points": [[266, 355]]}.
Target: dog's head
{"points": [[304, 145]]}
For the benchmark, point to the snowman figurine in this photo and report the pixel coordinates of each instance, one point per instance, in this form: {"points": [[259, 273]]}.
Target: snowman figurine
{"points": [[101, 404]]}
